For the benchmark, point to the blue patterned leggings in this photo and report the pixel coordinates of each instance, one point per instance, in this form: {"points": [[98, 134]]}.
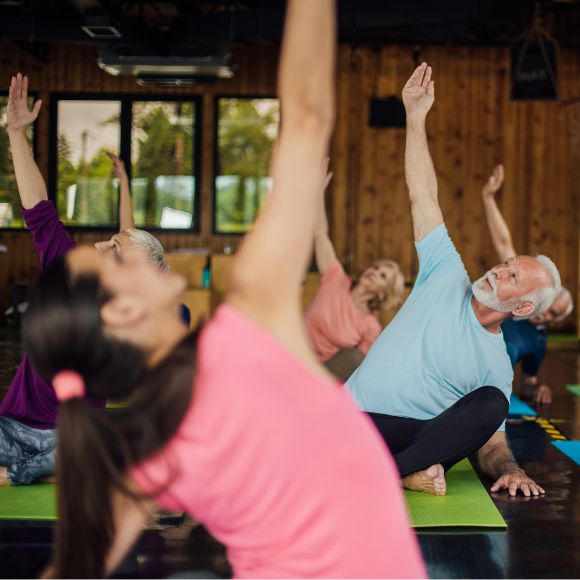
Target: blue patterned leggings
{"points": [[28, 453]]}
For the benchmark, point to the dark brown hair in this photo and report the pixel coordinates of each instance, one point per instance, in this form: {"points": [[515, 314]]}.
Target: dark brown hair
{"points": [[63, 330]]}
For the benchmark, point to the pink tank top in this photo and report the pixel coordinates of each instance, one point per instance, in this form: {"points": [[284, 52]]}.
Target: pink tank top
{"points": [[334, 322], [281, 467]]}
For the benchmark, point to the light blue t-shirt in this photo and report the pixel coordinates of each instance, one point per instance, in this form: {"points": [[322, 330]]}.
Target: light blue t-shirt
{"points": [[434, 351]]}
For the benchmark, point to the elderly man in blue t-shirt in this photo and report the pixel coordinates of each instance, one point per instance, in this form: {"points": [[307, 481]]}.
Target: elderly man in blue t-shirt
{"points": [[437, 381]]}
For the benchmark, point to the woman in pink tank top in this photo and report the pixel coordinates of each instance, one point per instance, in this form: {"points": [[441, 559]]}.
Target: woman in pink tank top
{"points": [[341, 320], [237, 424]]}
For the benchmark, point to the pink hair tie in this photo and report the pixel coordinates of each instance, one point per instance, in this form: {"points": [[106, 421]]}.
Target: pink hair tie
{"points": [[68, 385]]}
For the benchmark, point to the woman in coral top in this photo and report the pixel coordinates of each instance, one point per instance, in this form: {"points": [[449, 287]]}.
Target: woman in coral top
{"points": [[237, 423], [341, 320]]}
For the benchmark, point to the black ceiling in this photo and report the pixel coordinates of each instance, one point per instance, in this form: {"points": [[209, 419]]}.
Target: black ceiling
{"points": [[166, 26]]}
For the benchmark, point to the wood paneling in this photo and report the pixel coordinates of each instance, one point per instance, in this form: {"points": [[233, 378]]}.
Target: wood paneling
{"points": [[74, 68], [473, 126]]}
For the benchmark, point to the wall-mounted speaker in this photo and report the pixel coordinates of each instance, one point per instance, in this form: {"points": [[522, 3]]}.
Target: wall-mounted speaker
{"points": [[387, 113]]}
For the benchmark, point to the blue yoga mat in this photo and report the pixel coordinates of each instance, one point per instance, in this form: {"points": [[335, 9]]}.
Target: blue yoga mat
{"points": [[569, 448], [518, 407]]}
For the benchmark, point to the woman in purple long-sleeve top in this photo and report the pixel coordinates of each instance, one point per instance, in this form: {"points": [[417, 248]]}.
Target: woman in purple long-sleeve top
{"points": [[29, 409]]}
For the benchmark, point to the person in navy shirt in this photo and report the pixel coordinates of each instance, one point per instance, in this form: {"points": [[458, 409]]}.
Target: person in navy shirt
{"points": [[525, 340]]}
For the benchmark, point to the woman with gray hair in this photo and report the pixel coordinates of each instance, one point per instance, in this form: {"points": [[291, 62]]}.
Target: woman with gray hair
{"points": [[129, 237], [29, 409]]}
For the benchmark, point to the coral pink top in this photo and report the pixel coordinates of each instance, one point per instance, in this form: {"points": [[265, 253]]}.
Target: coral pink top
{"points": [[281, 467], [333, 320]]}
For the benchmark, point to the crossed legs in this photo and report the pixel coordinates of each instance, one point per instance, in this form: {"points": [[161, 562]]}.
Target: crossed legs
{"points": [[424, 449], [26, 454]]}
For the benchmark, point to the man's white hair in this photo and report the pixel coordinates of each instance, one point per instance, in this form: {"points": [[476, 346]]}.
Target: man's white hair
{"points": [[568, 295], [150, 244], [544, 297]]}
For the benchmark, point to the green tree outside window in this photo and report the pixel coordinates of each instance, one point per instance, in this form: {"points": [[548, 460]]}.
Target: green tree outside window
{"points": [[247, 130], [163, 181]]}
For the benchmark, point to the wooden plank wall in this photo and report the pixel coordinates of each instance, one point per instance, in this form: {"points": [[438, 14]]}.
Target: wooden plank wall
{"points": [[74, 68], [473, 126]]}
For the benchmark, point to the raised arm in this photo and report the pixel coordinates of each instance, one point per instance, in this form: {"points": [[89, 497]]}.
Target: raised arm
{"points": [[500, 233], [418, 97], [31, 186], [130, 517], [267, 274], [126, 220], [324, 253]]}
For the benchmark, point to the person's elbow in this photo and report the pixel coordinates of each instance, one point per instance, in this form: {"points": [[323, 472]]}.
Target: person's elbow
{"points": [[312, 115]]}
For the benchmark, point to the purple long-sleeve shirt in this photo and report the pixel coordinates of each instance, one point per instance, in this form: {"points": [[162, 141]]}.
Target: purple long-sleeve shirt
{"points": [[30, 399]]}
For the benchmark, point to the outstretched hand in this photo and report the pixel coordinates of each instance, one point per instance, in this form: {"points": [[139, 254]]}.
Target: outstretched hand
{"points": [[118, 166], [494, 182], [517, 480], [543, 395], [419, 92], [17, 112]]}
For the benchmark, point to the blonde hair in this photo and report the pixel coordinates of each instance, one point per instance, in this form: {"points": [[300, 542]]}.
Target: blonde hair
{"points": [[395, 291]]}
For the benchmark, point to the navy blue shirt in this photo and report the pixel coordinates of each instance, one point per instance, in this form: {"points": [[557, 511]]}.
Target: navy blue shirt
{"points": [[185, 315], [525, 343]]}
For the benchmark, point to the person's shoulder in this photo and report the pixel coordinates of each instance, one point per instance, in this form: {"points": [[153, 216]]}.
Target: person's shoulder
{"points": [[336, 275], [436, 235], [436, 250], [335, 269], [43, 209]]}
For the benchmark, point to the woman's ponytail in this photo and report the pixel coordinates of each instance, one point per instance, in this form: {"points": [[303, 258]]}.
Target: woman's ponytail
{"points": [[63, 331]]}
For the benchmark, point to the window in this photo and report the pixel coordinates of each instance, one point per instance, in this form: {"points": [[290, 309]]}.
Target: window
{"points": [[10, 206], [85, 192], [246, 131], [157, 141], [162, 153]]}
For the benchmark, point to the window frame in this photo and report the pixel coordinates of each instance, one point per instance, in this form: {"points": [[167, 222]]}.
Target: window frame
{"points": [[125, 147], [35, 96], [216, 101]]}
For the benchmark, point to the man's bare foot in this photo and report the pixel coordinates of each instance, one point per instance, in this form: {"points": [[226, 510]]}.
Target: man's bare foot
{"points": [[431, 480], [48, 479], [4, 481]]}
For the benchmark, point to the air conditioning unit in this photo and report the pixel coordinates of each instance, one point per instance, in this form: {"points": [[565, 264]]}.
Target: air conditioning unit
{"points": [[167, 70]]}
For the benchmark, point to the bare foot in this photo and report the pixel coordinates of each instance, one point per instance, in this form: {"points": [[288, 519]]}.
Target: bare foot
{"points": [[48, 479], [430, 480], [4, 481]]}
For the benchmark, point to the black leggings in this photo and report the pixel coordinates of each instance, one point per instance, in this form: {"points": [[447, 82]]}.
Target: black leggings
{"points": [[448, 438]]}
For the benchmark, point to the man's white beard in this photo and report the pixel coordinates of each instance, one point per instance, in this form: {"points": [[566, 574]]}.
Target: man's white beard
{"points": [[488, 297]]}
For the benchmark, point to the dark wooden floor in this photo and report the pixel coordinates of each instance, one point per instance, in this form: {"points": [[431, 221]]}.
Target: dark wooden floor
{"points": [[542, 539]]}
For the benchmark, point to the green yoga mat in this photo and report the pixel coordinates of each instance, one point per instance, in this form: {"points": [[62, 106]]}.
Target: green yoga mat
{"points": [[466, 504], [28, 502], [574, 389]]}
